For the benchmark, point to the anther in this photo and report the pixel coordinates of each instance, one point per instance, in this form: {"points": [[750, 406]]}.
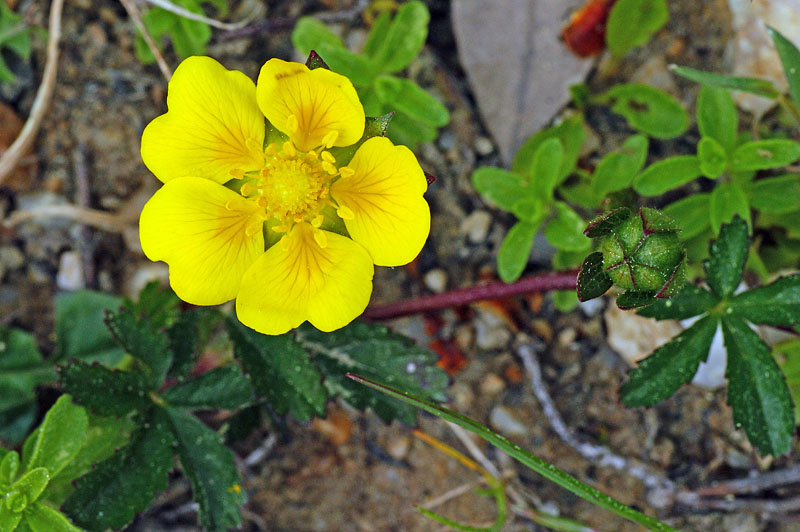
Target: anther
{"points": [[345, 213], [326, 156], [328, 167], [321, 238], [288, 149], [317, 221], [237, 173], [262, 202], [346, 171], [272, 149], [329, 139], [291, 124], [246, 189]]}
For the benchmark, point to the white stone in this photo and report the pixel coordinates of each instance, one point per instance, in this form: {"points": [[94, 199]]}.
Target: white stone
{"points": [[70, 271]]}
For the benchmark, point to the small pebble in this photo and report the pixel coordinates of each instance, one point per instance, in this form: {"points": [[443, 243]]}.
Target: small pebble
{"points": [[436, 280], [483, 146], [398, 447], [476, 226], [70, 271], [592, 308], [491, 384], [151, 271], [505, 422], [11, 258], [566, 337]]}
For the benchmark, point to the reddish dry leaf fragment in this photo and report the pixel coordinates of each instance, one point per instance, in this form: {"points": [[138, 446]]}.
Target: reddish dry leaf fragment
{"points": [[585, 34], [10, 127], [451, 358]]}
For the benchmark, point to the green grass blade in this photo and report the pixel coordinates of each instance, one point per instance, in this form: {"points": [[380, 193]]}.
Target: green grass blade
{"points": [[549, 471]]}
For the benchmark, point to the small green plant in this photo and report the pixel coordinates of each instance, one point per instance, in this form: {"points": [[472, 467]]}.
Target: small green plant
{"points": [[14, 37], [392, 43], [757, 389], [631, 23], [188, 37], [62, 448]]}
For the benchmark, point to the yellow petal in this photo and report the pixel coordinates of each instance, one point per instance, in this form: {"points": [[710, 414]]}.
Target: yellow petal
{"points": [[382, 203], [213, 125], [324, 105], [297, 280], [187, 225]]}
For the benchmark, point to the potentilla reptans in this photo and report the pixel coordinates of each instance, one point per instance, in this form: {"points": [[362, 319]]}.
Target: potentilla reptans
{"points": [[280, 225]]}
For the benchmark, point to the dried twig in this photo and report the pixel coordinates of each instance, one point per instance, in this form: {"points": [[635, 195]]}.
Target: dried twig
{"points": [[99, 219], [12, 156], [136, 17], [755, 484], [597, 454], [185, 13]]}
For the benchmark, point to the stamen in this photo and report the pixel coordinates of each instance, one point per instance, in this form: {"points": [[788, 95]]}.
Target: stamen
{"points": [[237, 173], [326, 156], [288, 149], [271, 150], [262, 202], [317, 220], [321, 238], [346, 171], [345, 213], [291, 124], [311, 156], [246, 189], [329, 139], [328, 167]]}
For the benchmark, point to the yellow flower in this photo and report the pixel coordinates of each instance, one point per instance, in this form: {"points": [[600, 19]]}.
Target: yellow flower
{"points": [[267, 215]]}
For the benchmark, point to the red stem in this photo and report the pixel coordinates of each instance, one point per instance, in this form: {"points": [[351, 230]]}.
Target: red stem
{"points": [[544, 282]]}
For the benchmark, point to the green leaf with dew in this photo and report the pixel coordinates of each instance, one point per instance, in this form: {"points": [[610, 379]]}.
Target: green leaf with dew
{"points": [[757, 390], [516, 250], [80, 332], [42, 518], [570, 132], [727, 200], [103, 390], [727, 256], [670, 366], [777, 303], [765, 154], [691, 301], [759, 87], [404, 38], [223, 387], [777, 195], [790, 59], [593, 281], [142, 341], [60, 436], [691, 213], [544, 172], [717, 117], [565, 231], [713, 159], [616, 170]]}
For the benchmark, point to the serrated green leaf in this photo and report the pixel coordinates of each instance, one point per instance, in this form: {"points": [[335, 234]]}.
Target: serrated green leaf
{"points": [[372, 349], [565, 231], [760, 87], [790, 59], [570, 132], [501, 187], [667, 174], [691, 213], [727, 255], [635, 299], [691, 301], [142, 341], [105, 391], [765, 154], [112, 493], [727, 200], [593, 281], [632, 23], [777, 303], [60, 436], [405, 37], [104, 436], [757, 390], [409, 98], [777, 195], [660, 375], [616, 170], [280, 371], [41, 518], [80, 332], [649, 110], [515, 250], [21, 370], [188, 337], [717, 117], [216, 485], [713, 159], [224, 387], [545, 168]]}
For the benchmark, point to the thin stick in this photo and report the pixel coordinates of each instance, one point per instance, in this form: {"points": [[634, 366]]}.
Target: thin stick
{"points": [[12, 156], [597, 454], [136, 17], [185, 13], [99, 219], [763, 481], [496, 290]]}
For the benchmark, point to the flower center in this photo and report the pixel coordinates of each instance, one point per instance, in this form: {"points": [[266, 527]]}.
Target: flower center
{"points": [[292, 187]]}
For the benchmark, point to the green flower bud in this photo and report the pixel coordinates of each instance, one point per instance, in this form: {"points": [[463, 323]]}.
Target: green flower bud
{"points": [[641, 252]]}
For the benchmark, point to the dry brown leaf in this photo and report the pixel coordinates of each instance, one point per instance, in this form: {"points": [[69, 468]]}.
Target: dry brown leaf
{"points": [[517, 66]]}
